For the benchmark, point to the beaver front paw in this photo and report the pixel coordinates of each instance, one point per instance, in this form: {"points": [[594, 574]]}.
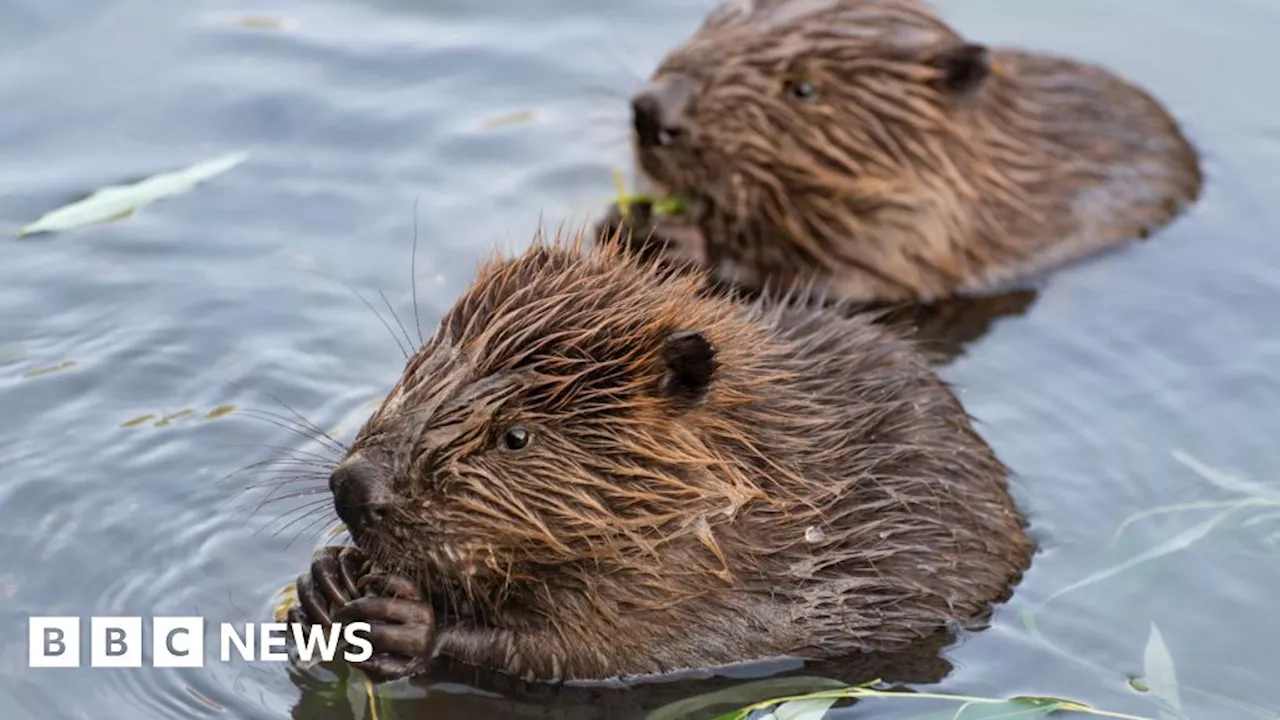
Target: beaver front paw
{"points": [[402, 627], [402, 624], [328, 585]]}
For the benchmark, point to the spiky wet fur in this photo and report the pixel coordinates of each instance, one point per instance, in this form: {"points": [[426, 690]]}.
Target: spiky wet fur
{"points": [[890, 185], [826, 494]]}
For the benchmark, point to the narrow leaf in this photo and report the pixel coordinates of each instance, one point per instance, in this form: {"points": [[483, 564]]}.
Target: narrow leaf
{"points": [[1226, 481], [1159, 673], [118, 201], [807, 709], [1181, 541]]}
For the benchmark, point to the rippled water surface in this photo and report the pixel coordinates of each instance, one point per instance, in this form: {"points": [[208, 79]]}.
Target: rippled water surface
{"points": [[1134, 382]]}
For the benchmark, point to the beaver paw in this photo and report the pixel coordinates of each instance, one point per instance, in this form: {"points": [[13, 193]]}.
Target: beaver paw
{"points": [[327, 586], [402, 627]]}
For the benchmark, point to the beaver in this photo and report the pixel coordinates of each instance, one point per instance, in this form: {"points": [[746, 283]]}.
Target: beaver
{"points": [[942, 328], [596, 468], [866, 146]]}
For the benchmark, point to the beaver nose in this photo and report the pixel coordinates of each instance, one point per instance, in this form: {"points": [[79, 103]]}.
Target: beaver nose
{"points": [[362, 493], [659, 112]]}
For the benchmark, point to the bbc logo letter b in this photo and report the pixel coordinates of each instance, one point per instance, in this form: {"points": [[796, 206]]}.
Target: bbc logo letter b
{"points": [[53, 642], [115, 642]]}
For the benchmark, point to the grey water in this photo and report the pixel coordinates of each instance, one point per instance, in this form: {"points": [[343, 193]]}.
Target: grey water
{"points": [[137, 358]]}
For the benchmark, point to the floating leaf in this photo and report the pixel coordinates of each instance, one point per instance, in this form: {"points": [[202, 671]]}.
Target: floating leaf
{"points": [[219, 411], [742, 694], [47, 370], [1159, 673], [204, 699], [970, 708], [261, 22], [138, 420], [167, 420], [1015, 709], [514, 118], [116, 201], [809, 709]]}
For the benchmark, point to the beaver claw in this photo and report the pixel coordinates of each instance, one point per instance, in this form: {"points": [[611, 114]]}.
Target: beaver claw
{"points": [[329, 584], [402, 625]]}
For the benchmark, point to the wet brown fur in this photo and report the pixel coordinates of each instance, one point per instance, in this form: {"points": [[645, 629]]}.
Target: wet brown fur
{"points": [[823, 494], [889, 184]]}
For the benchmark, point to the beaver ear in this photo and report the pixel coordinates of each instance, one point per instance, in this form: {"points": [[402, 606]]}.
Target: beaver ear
{"points": [[690, 361], [964, 67]]}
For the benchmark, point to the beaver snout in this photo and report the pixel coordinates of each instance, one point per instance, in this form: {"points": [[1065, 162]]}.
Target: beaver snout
{"points": [[362, 493], [659, 112]]}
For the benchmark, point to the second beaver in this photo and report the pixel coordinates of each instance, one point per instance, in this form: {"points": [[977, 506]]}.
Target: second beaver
{"points": [[868, 148], [597, 468]]}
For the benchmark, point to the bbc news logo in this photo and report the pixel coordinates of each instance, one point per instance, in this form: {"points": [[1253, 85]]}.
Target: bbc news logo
{"points": [[55, 642]]}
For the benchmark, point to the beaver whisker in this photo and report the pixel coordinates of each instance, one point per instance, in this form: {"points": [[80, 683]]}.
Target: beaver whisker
{"points": [[285, 450], [413, 272], [298, 494], [302, 428], [317, 527], [407, 338], [404, 350], [316, 511]]}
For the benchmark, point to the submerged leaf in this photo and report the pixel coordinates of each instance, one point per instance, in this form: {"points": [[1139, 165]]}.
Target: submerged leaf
{"points": [[117, 201], [1226, 481], [1181, 541], [48, 370]]}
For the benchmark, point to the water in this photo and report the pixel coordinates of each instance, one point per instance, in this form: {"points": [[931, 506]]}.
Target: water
{"points": [[357, 109]]}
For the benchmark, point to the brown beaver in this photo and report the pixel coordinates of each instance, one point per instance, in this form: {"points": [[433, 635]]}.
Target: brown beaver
{"points": [[866, 146], [596, 468]]}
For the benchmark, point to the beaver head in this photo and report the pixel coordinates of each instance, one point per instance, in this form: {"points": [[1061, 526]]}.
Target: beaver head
{"points": [[868, 147], [595, 467]]}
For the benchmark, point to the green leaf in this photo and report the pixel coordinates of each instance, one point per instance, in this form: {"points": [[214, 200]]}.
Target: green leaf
{"points": [[118, 201]]}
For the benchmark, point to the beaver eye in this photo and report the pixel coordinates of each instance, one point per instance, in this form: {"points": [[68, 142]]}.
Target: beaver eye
{"points": [[516, 438], [802, 90]]}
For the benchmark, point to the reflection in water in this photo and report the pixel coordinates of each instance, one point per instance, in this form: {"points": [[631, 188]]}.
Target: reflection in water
{"points": [[944, 328], [457, 691]]}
